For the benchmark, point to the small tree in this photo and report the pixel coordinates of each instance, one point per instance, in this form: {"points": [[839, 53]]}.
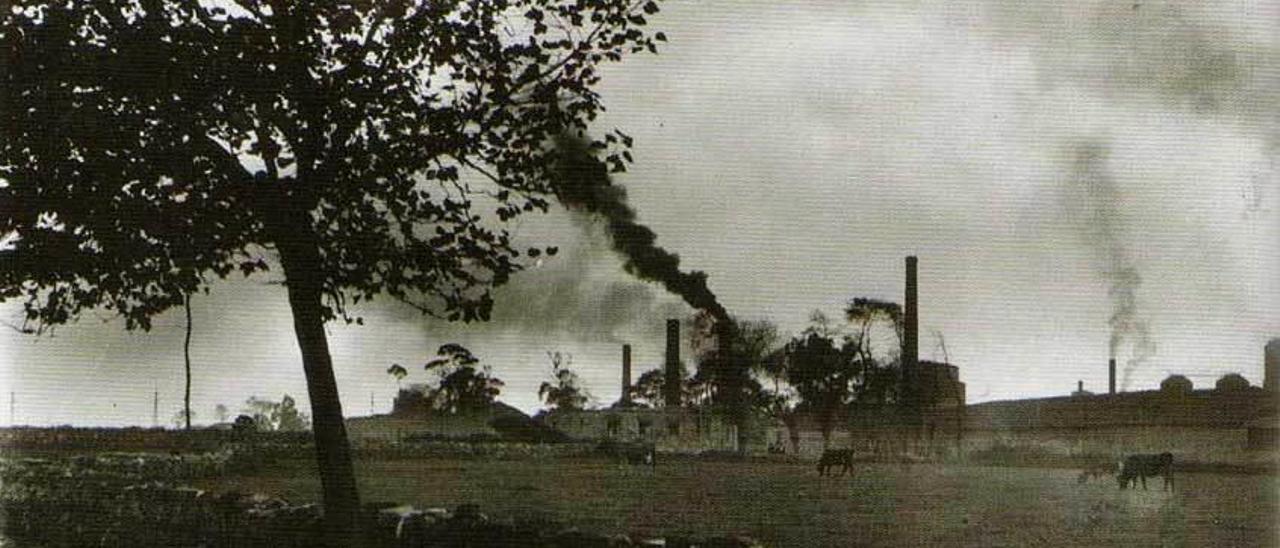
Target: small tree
{"points": [[869, 317], [182, 419], [281, 416], [399, 372], [563, 392], [221, 413], [647, 391], [822, 373], [462, 387]]}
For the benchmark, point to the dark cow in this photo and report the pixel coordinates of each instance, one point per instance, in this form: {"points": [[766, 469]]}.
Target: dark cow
{"points": [[1139, 467], [836, 457], [1095, 470]]}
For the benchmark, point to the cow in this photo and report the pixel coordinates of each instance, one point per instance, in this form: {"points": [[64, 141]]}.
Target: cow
{"points": [[1095, 470], [1139, 467], [836, 457]]}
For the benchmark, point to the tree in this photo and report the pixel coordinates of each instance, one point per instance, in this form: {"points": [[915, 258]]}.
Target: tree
{"points": [[822, 373], [220, 411], [877, 376], [281, 416], [564, 392], [182, 419], [399, 372], [365, 148], [462, 387], [647, 391]]}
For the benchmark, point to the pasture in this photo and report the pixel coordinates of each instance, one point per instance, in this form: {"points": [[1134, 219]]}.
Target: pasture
{"points": [[787, 504]]}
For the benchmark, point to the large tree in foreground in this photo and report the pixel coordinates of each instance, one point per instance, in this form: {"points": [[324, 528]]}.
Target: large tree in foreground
{"points": [[367, 148]]}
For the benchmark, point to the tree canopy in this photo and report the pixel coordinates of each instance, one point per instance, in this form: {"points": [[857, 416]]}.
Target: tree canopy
{"points": [[565, 390], [462, 386], [148, 143]]}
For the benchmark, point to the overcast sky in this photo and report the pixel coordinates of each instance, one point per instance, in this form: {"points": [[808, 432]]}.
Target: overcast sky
{"points": [[1049, 162]]}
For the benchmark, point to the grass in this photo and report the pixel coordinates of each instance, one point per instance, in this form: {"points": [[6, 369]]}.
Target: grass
{"points": [[785, 504]]}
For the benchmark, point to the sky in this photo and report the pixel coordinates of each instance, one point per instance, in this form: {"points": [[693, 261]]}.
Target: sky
{"points": [[1074, 177]]}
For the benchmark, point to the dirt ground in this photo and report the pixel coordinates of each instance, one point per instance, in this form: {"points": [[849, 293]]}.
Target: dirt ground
{"points": [[789, 505]]}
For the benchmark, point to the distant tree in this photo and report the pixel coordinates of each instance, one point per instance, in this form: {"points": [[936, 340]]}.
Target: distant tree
{"points": [[221, 413], [399, 372], [281, 416], [371, 147], [564, 391], [647, 391], [941, 345], [822, 372], [876, 375], [462, 386], [244, 423], [182, 419]]}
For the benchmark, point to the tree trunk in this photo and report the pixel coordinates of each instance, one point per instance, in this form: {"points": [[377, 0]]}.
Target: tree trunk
{"points": [[300, 257], [186, 354]]}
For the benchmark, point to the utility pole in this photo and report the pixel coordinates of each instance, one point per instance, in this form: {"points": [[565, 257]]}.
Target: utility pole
{"points": [[155, 408], [371, 403], [12, 421]]}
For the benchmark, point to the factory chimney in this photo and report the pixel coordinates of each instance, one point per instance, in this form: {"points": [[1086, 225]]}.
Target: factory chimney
{"points": [[1111, 376], [1080, 387], [910, 335], [672, 381], [626, 374], [1271, 366]]}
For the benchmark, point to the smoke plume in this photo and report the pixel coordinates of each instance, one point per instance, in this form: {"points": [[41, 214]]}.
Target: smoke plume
{"points": [[585, 187], [1097, 204]]}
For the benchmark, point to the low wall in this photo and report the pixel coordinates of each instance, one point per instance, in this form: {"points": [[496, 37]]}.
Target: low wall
{"points": [[1192, 444]]}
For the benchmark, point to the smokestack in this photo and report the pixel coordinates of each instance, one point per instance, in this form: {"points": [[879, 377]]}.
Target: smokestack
{"points": [[1271, 366], [626, 374], [671, 384], [910, 333], [1080, 387], [1111, 376]]}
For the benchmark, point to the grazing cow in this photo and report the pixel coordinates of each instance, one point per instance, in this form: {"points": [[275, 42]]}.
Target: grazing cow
{"points": [[1139, 467], [836, 457], [1095, 470]]}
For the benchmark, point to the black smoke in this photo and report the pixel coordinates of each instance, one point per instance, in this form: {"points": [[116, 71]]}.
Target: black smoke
{"points": [[584, 186]]}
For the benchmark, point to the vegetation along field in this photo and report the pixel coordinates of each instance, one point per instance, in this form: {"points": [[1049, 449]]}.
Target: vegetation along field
{"points": [[787, 504]]}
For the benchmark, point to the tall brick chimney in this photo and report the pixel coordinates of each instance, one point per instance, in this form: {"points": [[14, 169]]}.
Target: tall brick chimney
{"points": [[626, 374], [671, 381], [910, 335], [1111, 376], [1271, 366]]}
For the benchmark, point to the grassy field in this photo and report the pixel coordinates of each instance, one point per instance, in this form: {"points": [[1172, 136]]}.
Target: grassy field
{"points": [[789, 505]]}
